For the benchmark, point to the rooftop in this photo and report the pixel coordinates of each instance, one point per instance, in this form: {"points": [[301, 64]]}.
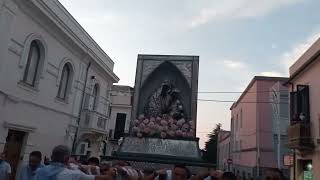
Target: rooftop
{"points": [[56, 13], [168, 57], [122, 88], [257, 78], [308, 58]]}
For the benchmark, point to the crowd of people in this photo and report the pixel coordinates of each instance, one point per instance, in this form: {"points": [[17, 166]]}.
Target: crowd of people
{"points": [[63, 166]]}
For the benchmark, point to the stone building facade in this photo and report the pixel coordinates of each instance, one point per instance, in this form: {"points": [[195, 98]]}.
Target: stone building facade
{"points": [[120, 116], [44, 59], [120, 110]]}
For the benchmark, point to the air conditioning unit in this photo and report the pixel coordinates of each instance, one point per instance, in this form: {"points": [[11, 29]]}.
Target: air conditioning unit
{"points": [[82, 148], [88, 102]]}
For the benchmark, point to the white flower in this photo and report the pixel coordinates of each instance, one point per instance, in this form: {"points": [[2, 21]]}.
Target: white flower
{"points": [[141, 117]]}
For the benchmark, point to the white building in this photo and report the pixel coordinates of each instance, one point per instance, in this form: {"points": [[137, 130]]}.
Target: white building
{"points": [[120, 115], [44, 55]]}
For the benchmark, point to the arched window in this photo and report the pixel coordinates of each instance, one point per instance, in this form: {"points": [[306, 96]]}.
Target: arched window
{"points": [[95, 94], [32, 67], [65, 82]]}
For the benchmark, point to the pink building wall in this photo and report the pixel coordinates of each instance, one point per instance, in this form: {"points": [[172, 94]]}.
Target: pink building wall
{"points": [[305, 57], [246, 132], [267, 155], [311, 77], [254, 115]]}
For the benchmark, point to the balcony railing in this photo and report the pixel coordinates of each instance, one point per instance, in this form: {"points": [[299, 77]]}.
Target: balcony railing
{"points": [[299, 136], [93, 121]]}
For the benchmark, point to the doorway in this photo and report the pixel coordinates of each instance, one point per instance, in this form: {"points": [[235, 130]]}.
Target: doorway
{"points": [[13, 147], [120, 125], [307, 169]]}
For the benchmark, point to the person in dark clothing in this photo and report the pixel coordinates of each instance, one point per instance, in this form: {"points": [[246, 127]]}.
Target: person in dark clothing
{"points": [[274, 174], [228, 176], [93, 161]]}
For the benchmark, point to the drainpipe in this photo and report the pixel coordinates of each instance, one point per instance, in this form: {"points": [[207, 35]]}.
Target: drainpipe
{"points": [[80, 109], [294, 164], [276, 104]]}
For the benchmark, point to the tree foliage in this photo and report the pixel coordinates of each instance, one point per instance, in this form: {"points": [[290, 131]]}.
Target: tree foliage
{"points": [[210, 149]]}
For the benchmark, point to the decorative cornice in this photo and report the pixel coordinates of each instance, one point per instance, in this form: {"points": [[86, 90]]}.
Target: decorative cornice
{"points": [[69, 26], [19, 127], [16, 99], [121, 105], [95, 131]]}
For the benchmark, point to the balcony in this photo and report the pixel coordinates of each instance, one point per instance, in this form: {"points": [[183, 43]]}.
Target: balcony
{"points": [[299, 136], [93, 122]]}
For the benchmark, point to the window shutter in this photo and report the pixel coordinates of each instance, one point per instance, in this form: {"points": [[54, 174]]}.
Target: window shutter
{"points": [[293, 104], [303, 100]]}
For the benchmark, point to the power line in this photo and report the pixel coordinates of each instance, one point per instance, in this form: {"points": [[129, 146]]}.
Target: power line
{"points": [[237, 92], [243, 135], [219, 92], [240, 102]]}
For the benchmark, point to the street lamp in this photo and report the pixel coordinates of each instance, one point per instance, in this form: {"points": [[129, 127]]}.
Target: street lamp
{"points": [[276, 108]]}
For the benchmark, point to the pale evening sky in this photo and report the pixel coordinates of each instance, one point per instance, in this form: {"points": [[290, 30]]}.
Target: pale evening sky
{"points": [[235, 39]]}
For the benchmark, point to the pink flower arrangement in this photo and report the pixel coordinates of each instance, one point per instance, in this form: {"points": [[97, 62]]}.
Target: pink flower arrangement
{"points": [[166, 127]]}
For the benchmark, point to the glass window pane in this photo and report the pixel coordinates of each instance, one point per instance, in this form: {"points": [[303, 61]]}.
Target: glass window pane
{"points": [[64, 82], [95, 94], [63, 85], [32, 64]]}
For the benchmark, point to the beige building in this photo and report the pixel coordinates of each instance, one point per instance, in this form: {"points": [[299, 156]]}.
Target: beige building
{"points": [[224, 151], [120, 116], [304, 131], [44, 60]]}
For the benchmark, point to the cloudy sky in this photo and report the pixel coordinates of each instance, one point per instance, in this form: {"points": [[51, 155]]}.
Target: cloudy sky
{"points": [[235, 39]]}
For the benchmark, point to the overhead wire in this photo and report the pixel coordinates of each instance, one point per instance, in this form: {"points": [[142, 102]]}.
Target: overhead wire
{"points": [[217, 92], [241, 102], [236, 92], [230, 92]]}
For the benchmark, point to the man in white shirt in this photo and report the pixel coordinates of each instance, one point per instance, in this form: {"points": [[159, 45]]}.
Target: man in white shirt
{"points": [[57, 170], [5, 168]]}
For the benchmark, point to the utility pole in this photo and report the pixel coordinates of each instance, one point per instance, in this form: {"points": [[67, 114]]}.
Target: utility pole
{"points": [[276, 108], [258, 140], [279, 144]]}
